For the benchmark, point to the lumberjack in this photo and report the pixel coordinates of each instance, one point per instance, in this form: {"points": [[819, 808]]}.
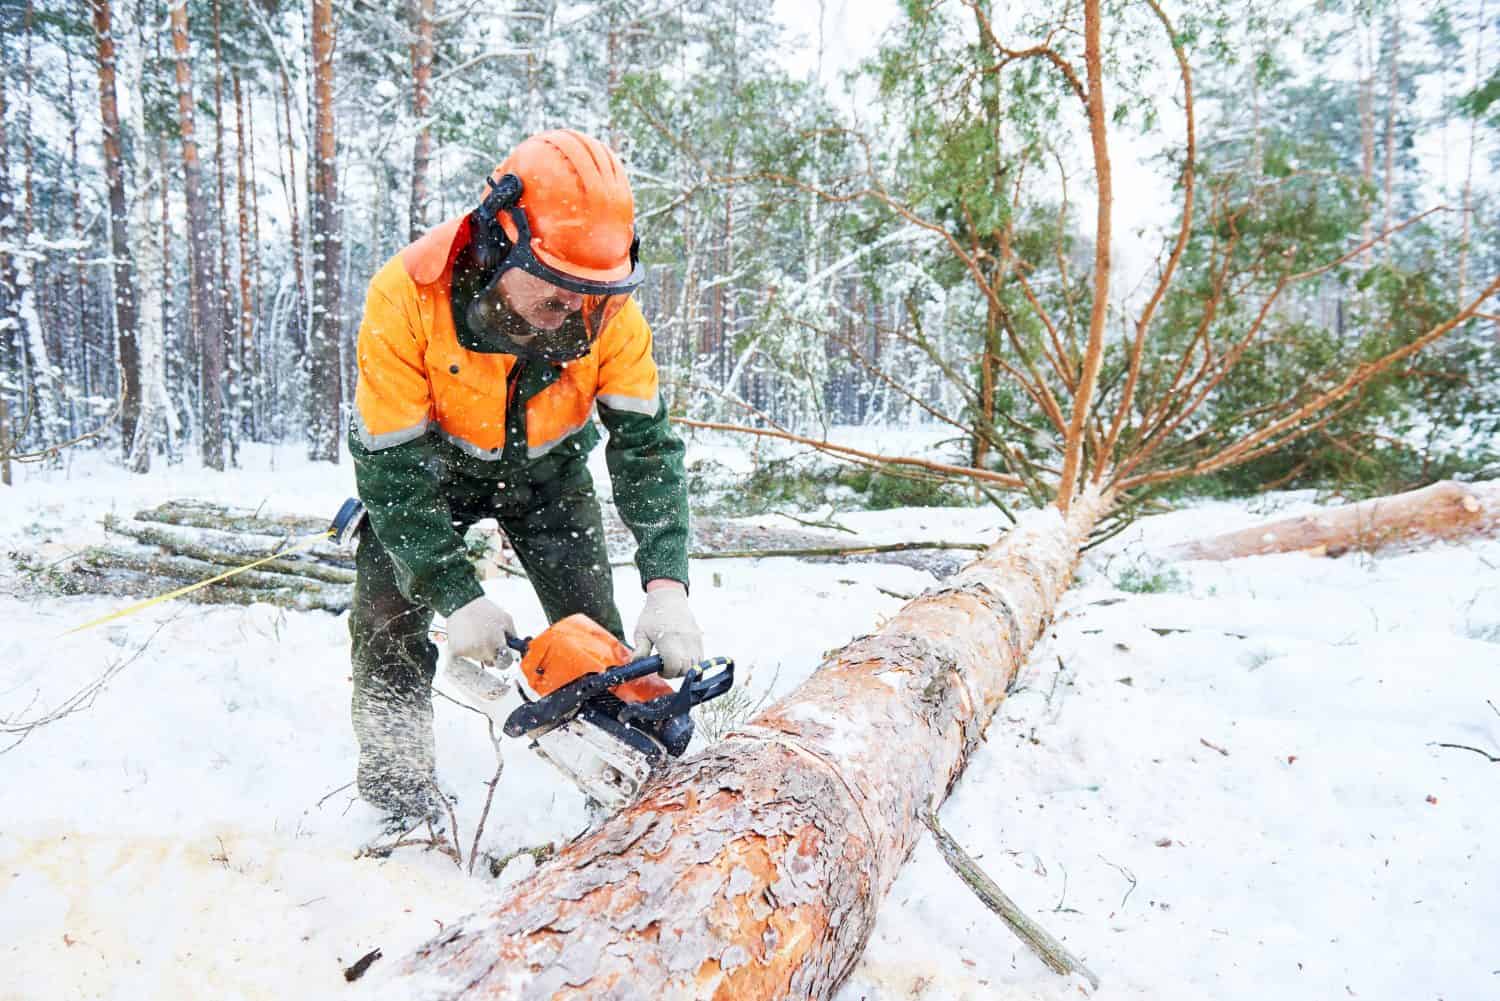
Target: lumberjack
{"points": [[484, 348]]}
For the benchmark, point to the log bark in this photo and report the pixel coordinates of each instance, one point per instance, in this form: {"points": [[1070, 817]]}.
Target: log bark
{"points": [[1443, 512], [755, 868]]}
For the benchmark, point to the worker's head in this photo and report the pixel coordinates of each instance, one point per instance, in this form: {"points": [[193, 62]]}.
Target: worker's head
{"points": [[557, 231]]}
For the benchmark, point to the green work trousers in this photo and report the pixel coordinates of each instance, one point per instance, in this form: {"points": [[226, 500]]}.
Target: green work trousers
{"points": [[557, 532]]}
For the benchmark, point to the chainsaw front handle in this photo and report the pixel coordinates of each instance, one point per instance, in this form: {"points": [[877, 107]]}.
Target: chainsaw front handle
{"points": [[565, 702]]}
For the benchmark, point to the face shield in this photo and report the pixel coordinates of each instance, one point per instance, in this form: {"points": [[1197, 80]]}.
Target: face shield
{"points": [[491, 311]]}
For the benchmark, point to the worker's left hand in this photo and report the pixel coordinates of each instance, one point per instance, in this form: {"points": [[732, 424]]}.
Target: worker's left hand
{"points": [[667, 624]]}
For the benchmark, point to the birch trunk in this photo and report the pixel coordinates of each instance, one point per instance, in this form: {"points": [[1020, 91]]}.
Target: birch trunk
{"points": [[245, 401], [46, 383], [755, 869], [1365, 60], [1443, 512], [289, 186], [233, 379], [1393, 87], [1468, 193], [143, 228]]}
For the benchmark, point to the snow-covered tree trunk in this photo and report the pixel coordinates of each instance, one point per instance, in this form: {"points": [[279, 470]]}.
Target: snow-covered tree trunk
{"points": [[423, 13], [325, 398], [245, 319], [755, 869], [207, 307], [122, 277]]}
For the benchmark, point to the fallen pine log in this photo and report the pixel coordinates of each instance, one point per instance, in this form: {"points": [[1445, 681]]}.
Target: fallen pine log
{"points": [[1443, 512], [755, 868]]}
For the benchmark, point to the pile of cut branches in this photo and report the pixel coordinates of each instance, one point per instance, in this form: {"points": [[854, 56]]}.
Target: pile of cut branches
{"points": [[186, 541]]}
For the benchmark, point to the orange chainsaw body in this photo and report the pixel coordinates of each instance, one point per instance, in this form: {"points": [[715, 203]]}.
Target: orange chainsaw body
{"points": [[573, 647]]}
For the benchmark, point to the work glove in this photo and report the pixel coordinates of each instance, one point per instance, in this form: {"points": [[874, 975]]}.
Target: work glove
{"points": [[668, 625], [478, 631]]}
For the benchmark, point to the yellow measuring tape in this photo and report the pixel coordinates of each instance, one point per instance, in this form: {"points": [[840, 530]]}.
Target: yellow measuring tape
{"points": [[306, 543]]}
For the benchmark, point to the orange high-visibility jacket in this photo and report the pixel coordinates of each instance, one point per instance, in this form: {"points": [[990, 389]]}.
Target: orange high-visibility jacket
{"points": [[415, 376], [431, 417]]}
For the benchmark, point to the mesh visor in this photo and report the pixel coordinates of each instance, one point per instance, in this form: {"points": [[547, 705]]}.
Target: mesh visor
{"points": [[490, 313]]}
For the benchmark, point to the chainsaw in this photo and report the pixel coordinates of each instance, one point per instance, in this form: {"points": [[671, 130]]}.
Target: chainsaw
{"points": [[604, 720]]}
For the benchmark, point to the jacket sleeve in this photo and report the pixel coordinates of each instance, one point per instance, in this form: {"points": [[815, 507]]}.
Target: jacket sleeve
{"points": [[644, 456], [395, 470]]}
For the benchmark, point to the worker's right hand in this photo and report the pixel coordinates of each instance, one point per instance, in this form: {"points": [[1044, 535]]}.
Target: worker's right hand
{"points": [[478, 631]]}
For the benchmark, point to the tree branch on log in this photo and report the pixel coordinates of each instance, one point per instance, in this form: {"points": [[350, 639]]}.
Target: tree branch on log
{"points": [[1048, 949], [825, 446]]}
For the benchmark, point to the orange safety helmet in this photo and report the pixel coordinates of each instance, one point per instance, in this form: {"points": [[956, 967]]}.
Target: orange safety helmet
{"points": [[560, 208]]}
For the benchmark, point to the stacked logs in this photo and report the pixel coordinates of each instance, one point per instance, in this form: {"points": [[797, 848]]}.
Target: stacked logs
{"points": [[186, 541]]}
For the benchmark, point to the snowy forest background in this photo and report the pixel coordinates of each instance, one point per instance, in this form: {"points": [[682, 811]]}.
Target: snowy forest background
{"points": [[192, 198]]}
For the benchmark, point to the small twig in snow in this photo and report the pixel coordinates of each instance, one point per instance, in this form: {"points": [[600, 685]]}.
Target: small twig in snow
{"points": [[79, 701], [1466, 747], [333, 793], [489, 797], [1213, 747], [1123, 872], [1060, 909], [1494, 707], [1048, 949], [458, 855], [894, 594], [830, 523]]}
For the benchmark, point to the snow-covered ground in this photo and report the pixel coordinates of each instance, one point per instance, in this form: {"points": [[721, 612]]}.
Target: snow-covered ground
{"points": [[189, 833]]}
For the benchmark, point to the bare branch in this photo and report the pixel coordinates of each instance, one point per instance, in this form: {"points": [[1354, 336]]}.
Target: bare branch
{"points": [[1138, 349], [1093, 358], [825, 446]]}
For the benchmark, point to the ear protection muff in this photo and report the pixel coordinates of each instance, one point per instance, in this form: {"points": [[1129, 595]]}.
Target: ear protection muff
{"points": [[490, 244]]}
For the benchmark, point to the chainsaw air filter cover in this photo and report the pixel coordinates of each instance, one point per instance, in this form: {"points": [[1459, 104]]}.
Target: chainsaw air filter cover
{"points": [[578, 646]]}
